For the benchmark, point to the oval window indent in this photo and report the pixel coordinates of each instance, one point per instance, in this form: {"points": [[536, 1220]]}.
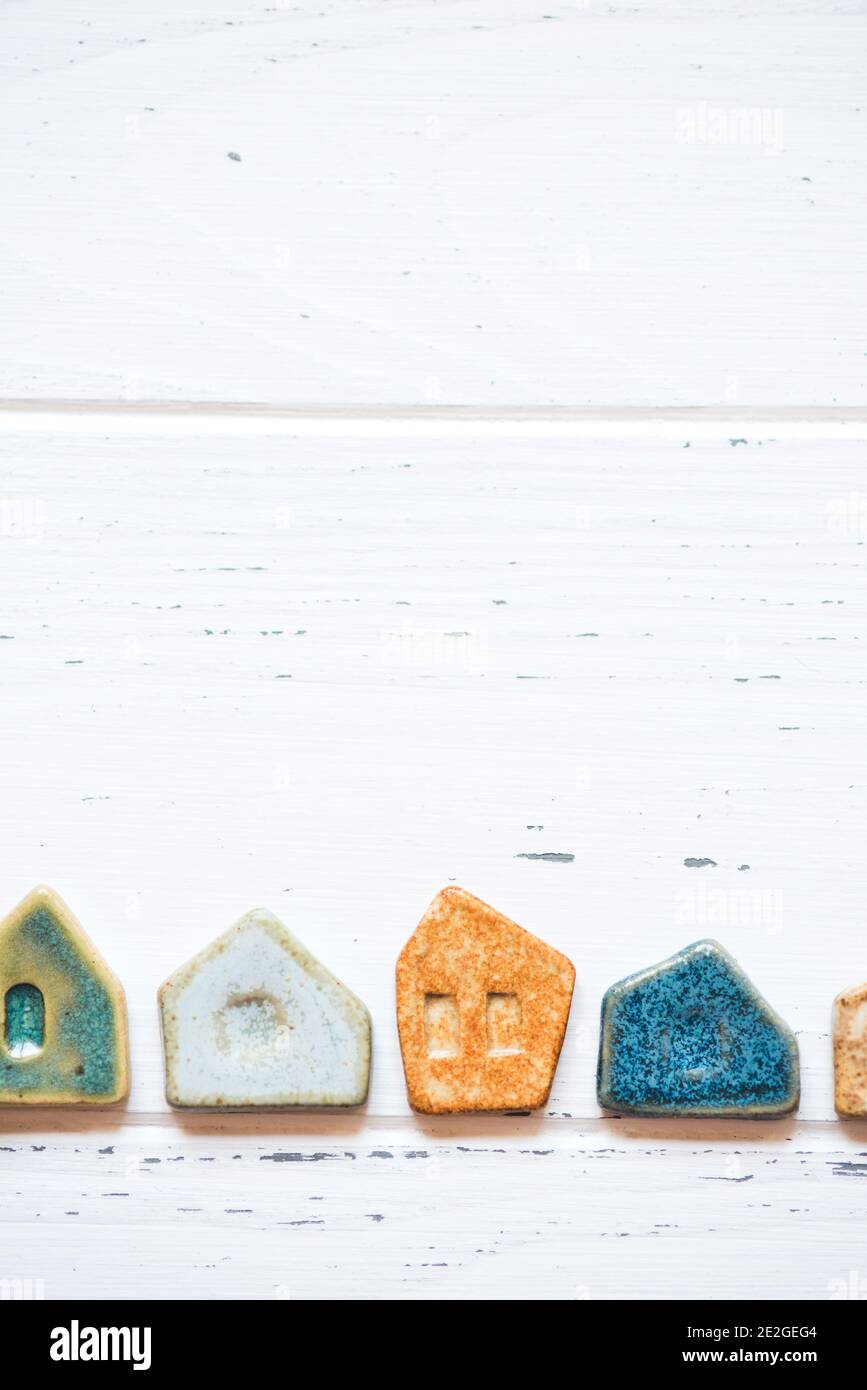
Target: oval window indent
{"points": [[25, 1021]]}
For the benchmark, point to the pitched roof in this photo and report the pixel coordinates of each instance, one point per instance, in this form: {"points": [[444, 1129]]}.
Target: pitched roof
{"points": [[255, 1020], [693, 1036], [482, 1007], [75, 1012]]}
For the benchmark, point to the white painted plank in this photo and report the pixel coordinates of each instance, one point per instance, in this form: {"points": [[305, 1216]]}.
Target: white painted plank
{"points": [[577, 1216], [231, 676], [660, 203]]}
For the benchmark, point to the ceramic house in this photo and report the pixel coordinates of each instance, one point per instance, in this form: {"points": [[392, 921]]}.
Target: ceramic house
{"points": [[850, 1051], [693, 1036], [482, 1008], [254, 1020], [63, 1029]]}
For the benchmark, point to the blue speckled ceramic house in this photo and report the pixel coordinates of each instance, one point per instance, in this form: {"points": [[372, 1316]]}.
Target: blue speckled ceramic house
{"points": [[693, 1036]]}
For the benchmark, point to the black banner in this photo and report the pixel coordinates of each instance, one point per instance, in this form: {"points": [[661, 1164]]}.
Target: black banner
{"points": [[83, 1339]]}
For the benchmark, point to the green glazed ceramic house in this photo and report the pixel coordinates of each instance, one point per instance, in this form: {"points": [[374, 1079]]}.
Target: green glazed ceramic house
{"points": [[63, 1028]]}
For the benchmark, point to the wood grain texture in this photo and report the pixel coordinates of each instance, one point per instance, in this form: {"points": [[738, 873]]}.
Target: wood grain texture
{"points": [[562, 1211], [619, 204], [331, 675]]}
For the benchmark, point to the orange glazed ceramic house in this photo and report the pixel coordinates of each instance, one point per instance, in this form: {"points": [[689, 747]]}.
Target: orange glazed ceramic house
{"points": [[482, 1008]]}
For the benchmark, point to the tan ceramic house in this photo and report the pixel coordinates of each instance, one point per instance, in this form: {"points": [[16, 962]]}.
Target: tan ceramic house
{"points": [[850, 1051], [482, 1008]]}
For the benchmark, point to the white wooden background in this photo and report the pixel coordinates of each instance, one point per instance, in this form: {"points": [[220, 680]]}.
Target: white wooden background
{"points": [[234, 673], [331, 650], [500, 201]]}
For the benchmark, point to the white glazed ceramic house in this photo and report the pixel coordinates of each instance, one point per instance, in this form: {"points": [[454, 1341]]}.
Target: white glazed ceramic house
{"points": [[255, 1020]]}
